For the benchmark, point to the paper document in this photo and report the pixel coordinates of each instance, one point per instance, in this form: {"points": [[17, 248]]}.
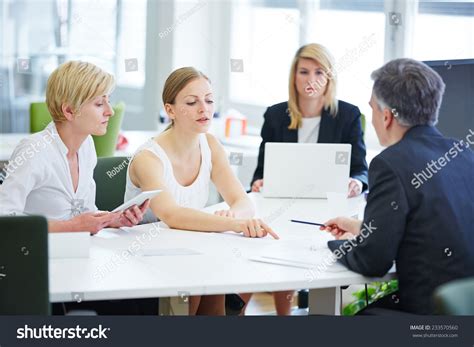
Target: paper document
{"points": [[299, 254]]}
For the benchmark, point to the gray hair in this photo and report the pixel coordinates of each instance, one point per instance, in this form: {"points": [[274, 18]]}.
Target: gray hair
{"points": [[410, 89]]}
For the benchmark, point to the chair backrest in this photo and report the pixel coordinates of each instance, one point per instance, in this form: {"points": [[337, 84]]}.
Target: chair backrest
{"points": [[24, 287], [455, 298], [39, 116], [110, 177], [104, 145]]}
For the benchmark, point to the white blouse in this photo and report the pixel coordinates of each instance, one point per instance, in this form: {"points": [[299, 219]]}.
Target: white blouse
{"points": [[38, 180], [309, 130]]}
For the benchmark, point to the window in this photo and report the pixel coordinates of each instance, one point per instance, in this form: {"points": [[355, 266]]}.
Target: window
{"points": [[92, 32], [263, 43], [444, 31], [132, 44], [40, 35], [357, 51]]}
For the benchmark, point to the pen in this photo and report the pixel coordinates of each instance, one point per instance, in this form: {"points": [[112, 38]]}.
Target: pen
{"points": [[304, 222]]}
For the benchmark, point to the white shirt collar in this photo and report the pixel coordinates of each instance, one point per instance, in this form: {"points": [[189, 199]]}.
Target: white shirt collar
{"points": [[53, 132]]}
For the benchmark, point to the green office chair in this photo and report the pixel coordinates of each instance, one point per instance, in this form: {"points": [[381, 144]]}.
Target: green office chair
{"points": [[39, 116], [24, 287], [104, 145], [455, 298], [110, 176]]}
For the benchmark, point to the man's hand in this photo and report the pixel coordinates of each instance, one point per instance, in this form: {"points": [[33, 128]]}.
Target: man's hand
{"points": [[355, 187], [257, 185], [343, 227]]}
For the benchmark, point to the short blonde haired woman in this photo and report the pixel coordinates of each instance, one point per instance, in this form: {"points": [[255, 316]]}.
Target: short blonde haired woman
{"points": [[313, 114], [54, 172], [182, 161]]}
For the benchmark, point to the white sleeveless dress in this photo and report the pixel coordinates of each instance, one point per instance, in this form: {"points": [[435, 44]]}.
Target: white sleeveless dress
{"points": [[193, 196]]}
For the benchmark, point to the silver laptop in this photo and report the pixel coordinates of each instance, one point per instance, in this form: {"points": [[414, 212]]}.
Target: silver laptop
{"points": [[305, 170]]}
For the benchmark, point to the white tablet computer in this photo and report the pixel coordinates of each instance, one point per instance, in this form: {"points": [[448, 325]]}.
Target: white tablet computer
{"points": [[138, 200]]}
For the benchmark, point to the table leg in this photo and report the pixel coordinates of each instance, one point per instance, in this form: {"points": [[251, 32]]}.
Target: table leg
{"points": [[174, 306], [325, 301]]}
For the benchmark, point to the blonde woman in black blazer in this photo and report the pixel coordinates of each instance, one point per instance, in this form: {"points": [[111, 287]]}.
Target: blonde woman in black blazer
{"points": [[313, 114]]}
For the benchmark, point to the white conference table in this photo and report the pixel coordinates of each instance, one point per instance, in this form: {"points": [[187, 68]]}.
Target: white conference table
{"points": [[199, 263]]}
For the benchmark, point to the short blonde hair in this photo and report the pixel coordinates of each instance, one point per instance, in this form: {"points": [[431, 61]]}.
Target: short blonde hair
{"points": [[176, 82], [320, 55], [75, 83]]}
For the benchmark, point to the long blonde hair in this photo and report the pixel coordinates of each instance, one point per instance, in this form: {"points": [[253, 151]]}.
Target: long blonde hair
{"points": [[176, 81], [321, 55]]}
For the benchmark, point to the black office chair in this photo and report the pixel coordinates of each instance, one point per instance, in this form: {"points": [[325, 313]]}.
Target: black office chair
{"points": [[24, 288], [110, 176]]}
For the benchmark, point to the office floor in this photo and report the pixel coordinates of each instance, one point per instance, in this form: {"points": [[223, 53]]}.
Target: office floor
{"points": [[262, 304]]}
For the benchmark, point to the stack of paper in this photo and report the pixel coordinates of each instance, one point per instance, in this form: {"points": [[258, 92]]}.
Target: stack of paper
{"points": [[301, 254]]}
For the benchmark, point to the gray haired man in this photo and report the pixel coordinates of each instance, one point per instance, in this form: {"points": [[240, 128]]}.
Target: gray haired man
{"points": [[421, 200]]}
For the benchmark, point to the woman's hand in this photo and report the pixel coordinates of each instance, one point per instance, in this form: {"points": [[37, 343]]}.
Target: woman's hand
{"points": [[355, 187], [342, 227], [131, 216], [225, 213], [90, 221], [253, 228], [257, 185]]}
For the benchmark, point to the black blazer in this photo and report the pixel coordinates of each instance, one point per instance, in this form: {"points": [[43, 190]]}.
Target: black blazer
{"points": [[344, 128], [424, 220]]}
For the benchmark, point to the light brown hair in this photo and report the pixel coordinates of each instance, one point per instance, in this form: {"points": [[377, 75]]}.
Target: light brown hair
{"points": [[176, 81]]}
